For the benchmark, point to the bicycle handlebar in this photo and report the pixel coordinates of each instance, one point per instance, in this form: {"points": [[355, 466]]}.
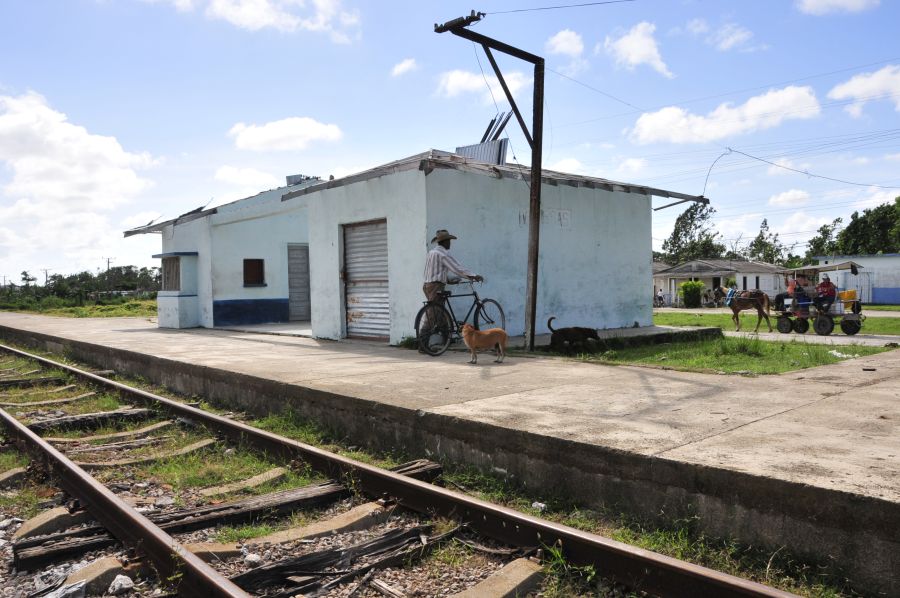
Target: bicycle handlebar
{"points": [[462, 281]]}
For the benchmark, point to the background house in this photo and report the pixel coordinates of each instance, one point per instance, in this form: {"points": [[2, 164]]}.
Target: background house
{"points": [[658, 281], [747, 275], [347, 255]]}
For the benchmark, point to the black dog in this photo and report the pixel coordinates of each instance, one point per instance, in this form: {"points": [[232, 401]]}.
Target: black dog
{"points": [[564, 340]]}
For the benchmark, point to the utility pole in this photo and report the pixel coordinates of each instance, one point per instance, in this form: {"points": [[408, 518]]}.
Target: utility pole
{"points": [[46, 271], [108, 281], [535, 140]]}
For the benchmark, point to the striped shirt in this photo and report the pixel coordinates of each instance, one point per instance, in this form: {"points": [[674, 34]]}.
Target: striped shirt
{"points": [[439, 263]]}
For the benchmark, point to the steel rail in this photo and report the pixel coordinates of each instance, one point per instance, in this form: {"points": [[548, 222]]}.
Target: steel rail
{"points": [[635, 568], [123, 522]]}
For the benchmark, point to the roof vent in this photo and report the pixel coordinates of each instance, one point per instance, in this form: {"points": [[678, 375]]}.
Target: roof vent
{"points": [[296, 179]]}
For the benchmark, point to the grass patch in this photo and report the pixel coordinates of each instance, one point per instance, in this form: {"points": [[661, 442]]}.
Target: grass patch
{"points": [[137, 308], [748, 322], [10, 459], [241, 533], [732, 355], [216, 466], [682, 539], [868, 307], [292, 425], [25, 503]]}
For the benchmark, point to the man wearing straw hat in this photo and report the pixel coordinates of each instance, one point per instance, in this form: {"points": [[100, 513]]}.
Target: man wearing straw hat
{"points": [[439, 264]]}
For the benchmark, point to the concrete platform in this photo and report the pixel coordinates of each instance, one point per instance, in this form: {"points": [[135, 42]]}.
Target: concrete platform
{"points": [[808, 460]]}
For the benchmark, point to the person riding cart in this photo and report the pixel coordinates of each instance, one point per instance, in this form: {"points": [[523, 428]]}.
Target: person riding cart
{"points": [[826, 293]]}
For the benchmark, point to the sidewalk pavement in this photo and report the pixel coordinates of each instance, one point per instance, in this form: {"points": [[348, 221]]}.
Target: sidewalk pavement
{"points": [[836, 427]]}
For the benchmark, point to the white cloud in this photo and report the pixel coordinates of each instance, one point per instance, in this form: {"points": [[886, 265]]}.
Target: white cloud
{"points": [[800, 222], [55, 162], [295, 133], [676, 125], [180, 5], [875, 198], [247, 178], [454, 83], [868, 86], [637, 47], [404, 66], [793, 198], [892, 157], [631, 166], [821, 7], [288, 16], [730, 36], [697, 27], [566, 42], [64, 183], [570, 165], [139, 219]]}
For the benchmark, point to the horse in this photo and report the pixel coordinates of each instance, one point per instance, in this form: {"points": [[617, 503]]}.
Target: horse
{"points": [[742, 300]]}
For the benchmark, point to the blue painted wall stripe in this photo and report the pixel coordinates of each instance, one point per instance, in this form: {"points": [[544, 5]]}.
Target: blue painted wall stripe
{"points": [[886, 295], [234, 312]]}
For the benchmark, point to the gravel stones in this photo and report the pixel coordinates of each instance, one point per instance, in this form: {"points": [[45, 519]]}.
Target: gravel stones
{"points": [[122, 584]]}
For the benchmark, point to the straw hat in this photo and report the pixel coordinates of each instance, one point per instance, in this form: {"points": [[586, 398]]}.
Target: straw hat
{"points": [[442, 235]]}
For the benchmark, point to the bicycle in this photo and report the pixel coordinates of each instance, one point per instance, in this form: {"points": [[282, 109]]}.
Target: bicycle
{"points": [[436, 324]]}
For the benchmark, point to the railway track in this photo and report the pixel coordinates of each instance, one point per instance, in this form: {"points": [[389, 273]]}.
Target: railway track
{"points": [[410, 518]]}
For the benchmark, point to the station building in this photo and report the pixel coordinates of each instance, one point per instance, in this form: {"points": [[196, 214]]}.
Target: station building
{"points": [[348, 255]]}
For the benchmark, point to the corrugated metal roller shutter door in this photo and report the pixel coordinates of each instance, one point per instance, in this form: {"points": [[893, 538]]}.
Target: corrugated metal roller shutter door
{"points": [[366, 277], [298, 283]]}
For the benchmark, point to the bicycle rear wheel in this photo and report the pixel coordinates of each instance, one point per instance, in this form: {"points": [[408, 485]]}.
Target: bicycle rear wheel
{"points": [[434, 329], [490, 315]]}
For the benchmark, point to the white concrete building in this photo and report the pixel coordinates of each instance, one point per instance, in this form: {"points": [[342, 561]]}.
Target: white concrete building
{"points": [[348, 254], [877, 282]]}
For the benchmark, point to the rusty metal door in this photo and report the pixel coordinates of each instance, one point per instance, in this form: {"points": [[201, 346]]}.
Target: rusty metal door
{"points": [[366, 280], [298, 283]]}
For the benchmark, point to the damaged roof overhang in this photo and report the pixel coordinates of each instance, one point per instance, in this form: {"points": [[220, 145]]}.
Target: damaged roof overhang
{"points": [[159, 226], [433, 160]]}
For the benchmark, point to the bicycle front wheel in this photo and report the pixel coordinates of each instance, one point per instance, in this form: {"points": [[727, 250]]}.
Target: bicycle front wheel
{"points": [[434, 329], [490, 315]]}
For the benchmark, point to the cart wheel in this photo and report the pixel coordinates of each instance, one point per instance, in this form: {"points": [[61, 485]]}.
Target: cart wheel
{"points": [[823, 324], [850, 327], [783, 324], [801, 325]]}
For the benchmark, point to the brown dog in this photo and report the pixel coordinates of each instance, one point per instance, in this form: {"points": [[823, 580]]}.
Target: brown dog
{"points": [[485, 339]]}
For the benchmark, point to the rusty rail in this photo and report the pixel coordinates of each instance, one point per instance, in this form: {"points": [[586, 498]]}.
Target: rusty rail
{"points": [[123, 522], [636, 568]]}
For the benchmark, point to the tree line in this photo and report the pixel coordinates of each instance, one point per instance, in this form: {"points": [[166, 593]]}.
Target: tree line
{"points": [[84, 286], [876, 230]]}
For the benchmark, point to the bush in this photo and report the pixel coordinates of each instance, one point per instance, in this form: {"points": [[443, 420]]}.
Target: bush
{"points": [[690, 291]]}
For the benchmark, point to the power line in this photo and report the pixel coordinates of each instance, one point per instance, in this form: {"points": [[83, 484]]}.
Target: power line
{"points": [[809, 174], [601, 92], [506, 12]]}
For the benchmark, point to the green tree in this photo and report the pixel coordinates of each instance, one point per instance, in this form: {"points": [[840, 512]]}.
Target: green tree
{"points": [[825, 241], [693, 236], [766, 247], [872, 232]]}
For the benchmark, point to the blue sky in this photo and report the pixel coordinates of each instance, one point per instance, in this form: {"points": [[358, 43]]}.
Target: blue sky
{"points": [[115, 112]]}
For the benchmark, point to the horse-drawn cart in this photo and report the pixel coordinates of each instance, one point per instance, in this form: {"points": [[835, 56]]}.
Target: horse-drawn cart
{"points": [[800, 310]]}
